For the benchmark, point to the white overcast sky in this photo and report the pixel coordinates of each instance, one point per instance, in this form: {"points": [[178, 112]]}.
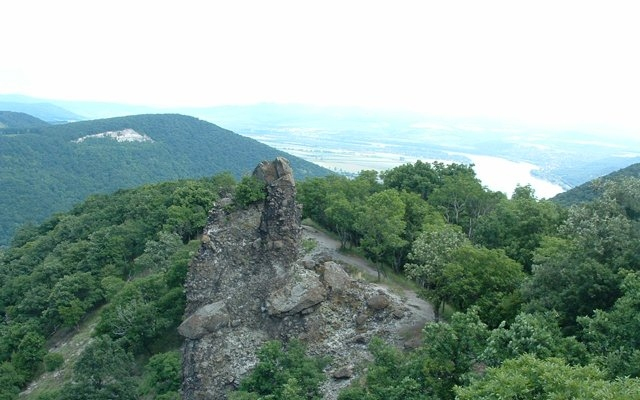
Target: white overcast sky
{"points": [[563, 63]]}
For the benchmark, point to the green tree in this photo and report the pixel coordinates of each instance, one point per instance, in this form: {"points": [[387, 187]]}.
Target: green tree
{"points": [[535, 334], [381, 224], [157, 253], [341, 216], [27, 358], [603, 231], [162, 375], [10, 381], [418, 216], [463, 200], [485, 278], [614, 336], [142, 312], [249, 190], [430, 253], [518, 225], [71, 297], [283, 373], [420, 178], [393, 375], [104, 370], [451, 351], [565, 279], [448, 354], [527, 377]]}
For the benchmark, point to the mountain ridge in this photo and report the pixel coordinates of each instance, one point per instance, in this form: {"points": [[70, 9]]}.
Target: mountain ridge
{"points": [[45, 172], [592, 189]]}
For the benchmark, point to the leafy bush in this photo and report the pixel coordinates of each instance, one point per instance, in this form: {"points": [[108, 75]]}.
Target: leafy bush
{"points": [[250, 190], [53, 361], [283, 374], [162, 376]]}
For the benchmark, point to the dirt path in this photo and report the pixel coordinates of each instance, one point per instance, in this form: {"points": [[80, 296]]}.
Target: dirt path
{"points": [[421, 307]]}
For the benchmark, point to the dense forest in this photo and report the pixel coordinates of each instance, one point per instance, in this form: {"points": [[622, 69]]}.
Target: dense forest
{"points": [[43, 169], [543, 297], [534, 299], [120, 258]]}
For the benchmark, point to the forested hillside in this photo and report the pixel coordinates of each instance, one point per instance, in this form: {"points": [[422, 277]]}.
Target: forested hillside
{"points": [[593, 189], [121, 256], [534, 300], [48, 169], [543, 297]]}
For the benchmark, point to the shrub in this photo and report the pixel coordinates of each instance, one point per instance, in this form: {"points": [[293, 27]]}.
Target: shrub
{"points": [[283, 373], [52, 361], [250, 190]]}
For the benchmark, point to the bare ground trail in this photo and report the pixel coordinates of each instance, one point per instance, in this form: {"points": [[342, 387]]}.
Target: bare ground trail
{"points": [[422, 308]]}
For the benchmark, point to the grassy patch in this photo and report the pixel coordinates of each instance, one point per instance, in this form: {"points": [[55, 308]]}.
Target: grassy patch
{"points": [[69, 344], [308, 245]]}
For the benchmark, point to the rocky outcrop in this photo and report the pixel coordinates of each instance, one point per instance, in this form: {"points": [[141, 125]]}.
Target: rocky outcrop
{"points": [[205, 320], [302, 291], [249, 283]]}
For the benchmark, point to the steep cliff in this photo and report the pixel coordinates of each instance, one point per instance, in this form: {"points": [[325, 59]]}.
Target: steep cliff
{"points": [[251, 283]]}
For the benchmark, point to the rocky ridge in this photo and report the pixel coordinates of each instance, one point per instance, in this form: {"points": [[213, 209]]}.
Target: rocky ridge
{"points": [[251, 283]]}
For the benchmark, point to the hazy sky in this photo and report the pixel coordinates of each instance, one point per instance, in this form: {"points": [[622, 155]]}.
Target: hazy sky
{"points": [[559, 63]]}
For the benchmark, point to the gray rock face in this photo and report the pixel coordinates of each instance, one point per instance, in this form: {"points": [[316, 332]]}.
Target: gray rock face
{"points": [[249, 283], [334, 277], [302, 291], [205, 320]]}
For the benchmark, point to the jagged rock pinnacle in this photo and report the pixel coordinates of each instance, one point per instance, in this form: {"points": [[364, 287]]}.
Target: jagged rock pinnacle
{"points": [[280, 222], [250, 283]]}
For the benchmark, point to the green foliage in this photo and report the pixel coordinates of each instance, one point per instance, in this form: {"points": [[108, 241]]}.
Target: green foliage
{"points": [[71, 297], [28, 357], [341, 216], [565, 280], [116, 249], [431, 252], [10, 381], [283, 373], [422, 178], [518, 225], [104, 370], [535, 334], [430, 372], [53, 361], [19, 122], [484, 278], [592, 190], [614, 336], [249, 190], [142, 312], [451, 351], [393, 375], [381, 224], [527, 377], [162, 376]]}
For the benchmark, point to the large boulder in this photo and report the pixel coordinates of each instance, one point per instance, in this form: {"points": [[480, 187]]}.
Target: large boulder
{"points": [[302, 291], [205, 320]]}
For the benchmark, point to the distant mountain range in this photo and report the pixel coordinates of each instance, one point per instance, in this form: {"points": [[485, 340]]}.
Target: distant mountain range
{"points": [[351, 139], [46, 168], [38, 108]]}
